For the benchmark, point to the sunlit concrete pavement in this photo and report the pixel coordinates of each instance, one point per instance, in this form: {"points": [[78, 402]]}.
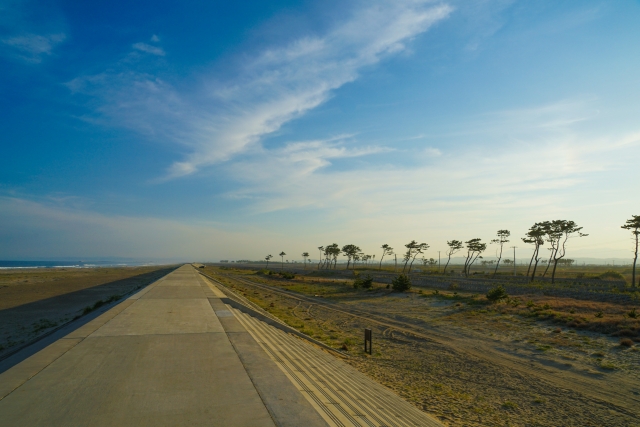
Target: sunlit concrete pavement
{"points": [[171, 355]]}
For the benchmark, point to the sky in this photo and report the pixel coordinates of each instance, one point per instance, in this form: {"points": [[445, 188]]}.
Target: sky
{"points": [[209, 130]]}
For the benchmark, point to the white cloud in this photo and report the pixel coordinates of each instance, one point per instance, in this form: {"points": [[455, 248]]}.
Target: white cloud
{"points": [[32, 47], [549, 167], [147, 48], [275, 86]]}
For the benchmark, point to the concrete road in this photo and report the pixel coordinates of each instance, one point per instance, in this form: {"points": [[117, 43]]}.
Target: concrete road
{"points": [[171, 355]]}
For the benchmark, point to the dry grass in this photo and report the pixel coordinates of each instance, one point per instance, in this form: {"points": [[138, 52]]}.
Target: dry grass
{"points": [[458, 387]]}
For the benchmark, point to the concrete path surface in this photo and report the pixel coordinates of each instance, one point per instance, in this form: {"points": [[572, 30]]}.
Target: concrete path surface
{"points": [[175, 354]]}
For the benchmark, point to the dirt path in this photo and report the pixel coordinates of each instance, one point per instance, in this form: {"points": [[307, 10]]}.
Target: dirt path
{"points": [[540, 387]]}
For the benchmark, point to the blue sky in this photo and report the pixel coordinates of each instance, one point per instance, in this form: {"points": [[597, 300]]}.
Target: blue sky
{"points": [[221, 130]]}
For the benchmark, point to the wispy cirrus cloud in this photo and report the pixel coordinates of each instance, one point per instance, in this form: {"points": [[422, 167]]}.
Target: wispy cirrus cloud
{"points": [[33, 47], [147, 48], [550, 158], [268, 90]]}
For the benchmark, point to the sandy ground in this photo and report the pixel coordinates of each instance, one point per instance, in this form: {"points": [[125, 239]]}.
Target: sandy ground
{"points": [[35, 301], [465, 361]]}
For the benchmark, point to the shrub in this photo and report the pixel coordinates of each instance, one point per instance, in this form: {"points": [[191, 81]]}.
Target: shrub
{"points": [[287, 275], [605, 364], [509, 405], [363, 282], [496, 294], [632, 314], [599, 314], [401, 283], [626, 342], [611, 275]]}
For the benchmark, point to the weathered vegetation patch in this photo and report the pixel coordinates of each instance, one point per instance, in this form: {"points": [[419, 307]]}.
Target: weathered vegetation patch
{"points": [[424, 341]]}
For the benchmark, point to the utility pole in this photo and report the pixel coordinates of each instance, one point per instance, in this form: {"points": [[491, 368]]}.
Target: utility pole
{"points": [[514, 259]]}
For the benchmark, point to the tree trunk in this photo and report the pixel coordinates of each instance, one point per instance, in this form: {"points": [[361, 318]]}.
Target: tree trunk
{"points": [[396, 261], [553, 251], [411, 265], [553, 273], [531, 262], [533, 274], [471, 263], [380, 268], [635, 259], [447, 264], [466, 265], [348, 262], [406, 262], [498, 263], [535, 266]]}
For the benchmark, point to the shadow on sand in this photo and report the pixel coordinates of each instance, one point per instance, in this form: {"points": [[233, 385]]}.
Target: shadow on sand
{"points": [[30, 327]]}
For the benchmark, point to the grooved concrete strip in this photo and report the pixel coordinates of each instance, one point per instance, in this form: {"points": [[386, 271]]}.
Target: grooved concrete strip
{"points": [[342, 395], [172, 354]]}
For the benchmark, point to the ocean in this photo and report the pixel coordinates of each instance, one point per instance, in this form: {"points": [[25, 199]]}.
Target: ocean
{"points": [[69, 264]]}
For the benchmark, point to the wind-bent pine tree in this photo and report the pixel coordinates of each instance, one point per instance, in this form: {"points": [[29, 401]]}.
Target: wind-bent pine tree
{"points": [[386, 250], [420, 248], [553, 239], [282, 254], [534, 236], [305, 255], [331, 253], [558, 233], [633, 224], [351, 252], [408, 253], [327, 256], [502, 236], [454, 246], [267, 258], [475, 247], [413, 250]]}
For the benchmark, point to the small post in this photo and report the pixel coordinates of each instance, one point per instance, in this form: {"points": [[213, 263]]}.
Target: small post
{"points": [[367, 339]]}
